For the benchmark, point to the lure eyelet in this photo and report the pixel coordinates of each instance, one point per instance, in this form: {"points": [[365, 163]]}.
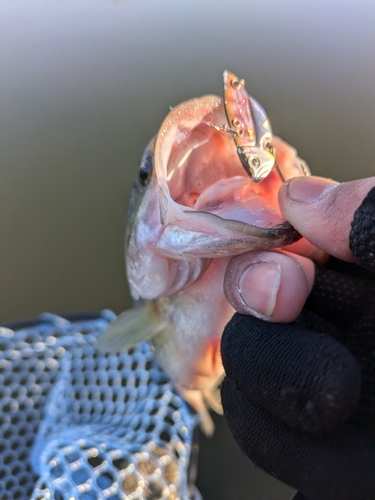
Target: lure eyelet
{"points": [[237, 84]]}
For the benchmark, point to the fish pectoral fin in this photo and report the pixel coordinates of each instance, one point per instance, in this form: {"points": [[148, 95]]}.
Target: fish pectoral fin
{"points": [[130, 328]]}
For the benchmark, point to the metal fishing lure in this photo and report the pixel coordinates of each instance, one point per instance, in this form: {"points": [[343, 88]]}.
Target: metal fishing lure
{"points": [[250, 128]]}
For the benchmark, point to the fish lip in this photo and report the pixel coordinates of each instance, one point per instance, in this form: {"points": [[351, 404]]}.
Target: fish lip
{"points": [[274, 232], [191, 112]]}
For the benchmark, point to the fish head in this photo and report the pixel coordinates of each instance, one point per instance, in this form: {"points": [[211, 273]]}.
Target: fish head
{"points": [[193, 201]]}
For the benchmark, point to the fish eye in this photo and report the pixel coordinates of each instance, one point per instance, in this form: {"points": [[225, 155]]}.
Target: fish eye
{"points": [[145, 170]]}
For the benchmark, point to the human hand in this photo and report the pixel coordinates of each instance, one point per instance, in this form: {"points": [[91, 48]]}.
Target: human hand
{"points": [[299, 398]]}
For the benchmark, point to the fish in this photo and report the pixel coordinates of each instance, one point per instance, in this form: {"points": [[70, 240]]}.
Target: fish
{"points": [[194, 205]]}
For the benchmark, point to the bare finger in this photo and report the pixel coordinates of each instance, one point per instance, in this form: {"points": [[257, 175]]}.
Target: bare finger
{"points": [[272, 286], [322, 210]]}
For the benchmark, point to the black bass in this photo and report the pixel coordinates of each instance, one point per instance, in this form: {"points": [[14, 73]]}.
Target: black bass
{"points": [[193, 205]]}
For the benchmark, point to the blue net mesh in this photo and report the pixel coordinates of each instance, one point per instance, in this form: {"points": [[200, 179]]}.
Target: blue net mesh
{"points": [[76, 423]]}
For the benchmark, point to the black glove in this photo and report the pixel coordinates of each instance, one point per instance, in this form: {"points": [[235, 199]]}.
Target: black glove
{"points": [[299, 398]]}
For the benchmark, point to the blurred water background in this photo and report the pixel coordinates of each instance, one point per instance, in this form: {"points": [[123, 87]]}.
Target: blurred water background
{"points": [[84, 84]]}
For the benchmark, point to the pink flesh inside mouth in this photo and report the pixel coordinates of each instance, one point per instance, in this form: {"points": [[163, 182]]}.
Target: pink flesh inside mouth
{"points": [[205, 174]]}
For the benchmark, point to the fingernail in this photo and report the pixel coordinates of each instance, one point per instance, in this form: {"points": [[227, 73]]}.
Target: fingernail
{"points": [[258, 288], [309, 189]]}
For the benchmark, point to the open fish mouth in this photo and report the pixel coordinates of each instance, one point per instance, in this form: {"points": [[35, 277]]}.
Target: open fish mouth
{"points": [[204, 188], [195, 201]]}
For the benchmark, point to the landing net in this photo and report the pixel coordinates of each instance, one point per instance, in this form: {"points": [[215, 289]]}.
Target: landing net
{"points": [[76, 423]]}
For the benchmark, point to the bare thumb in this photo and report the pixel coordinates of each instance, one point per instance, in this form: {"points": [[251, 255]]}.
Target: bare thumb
{"points": [[322, 210]]}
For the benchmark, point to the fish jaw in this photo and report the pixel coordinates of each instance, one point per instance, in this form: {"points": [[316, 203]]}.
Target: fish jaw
{"points": [[151, 273]]}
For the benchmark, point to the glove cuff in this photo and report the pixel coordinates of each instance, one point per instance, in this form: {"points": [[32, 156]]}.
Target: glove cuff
{"points": [[362, 234]]}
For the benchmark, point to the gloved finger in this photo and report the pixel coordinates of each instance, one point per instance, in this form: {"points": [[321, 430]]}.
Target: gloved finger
{"points": [[343, 294], [303, 377], [340, 297], [339, 465], [361, 238], [272, 286], [322, 210]]}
